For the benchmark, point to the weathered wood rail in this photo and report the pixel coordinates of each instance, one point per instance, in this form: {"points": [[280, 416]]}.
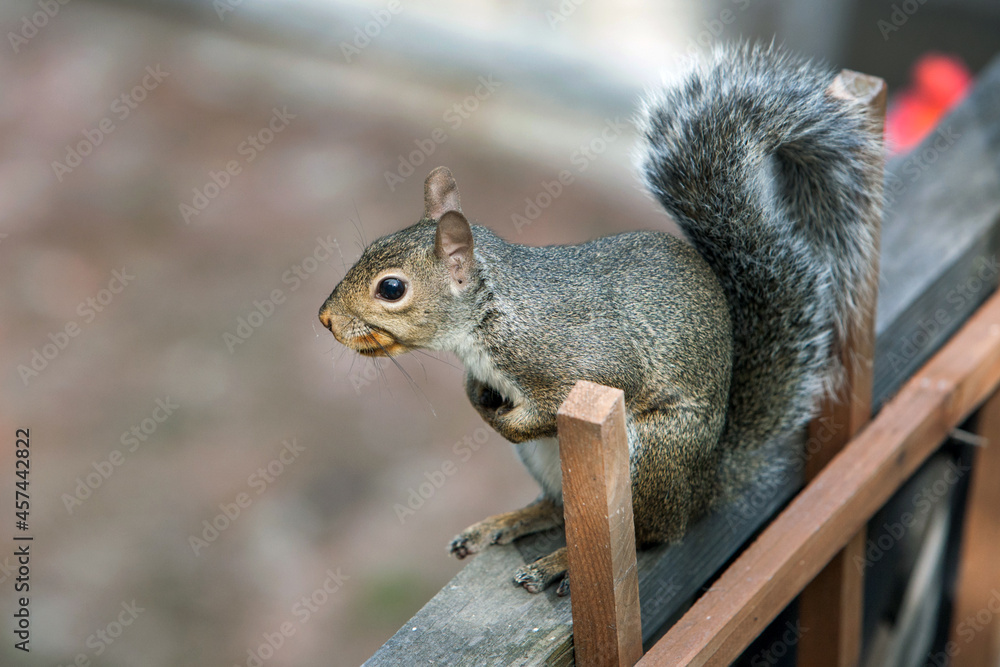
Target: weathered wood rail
{"points": [[940, 236]]}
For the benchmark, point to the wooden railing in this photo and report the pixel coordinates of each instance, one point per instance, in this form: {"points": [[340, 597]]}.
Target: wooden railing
{"points": [[831, 604]]}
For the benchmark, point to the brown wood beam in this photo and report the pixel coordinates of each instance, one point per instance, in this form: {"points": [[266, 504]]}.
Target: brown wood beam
{"points": [[830, 608], [975, 631], [600, 533]]}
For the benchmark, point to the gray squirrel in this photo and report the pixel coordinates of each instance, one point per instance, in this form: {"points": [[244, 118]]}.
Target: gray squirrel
{"points": [[722, 345]]}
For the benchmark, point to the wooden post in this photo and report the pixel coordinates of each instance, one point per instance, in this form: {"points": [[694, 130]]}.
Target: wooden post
{"points": [[830, 607], [975, 620], [600, 534]]}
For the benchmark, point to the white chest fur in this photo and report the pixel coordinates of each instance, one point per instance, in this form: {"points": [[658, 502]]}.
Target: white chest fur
{"points": [[478, 364], [541, 458]]}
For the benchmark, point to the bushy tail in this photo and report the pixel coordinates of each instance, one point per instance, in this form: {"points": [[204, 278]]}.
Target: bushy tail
{"points": [[774, 181]]}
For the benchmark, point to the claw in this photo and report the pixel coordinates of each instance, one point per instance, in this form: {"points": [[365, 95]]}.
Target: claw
{"points": [[536, 577], [532, 579], [529, 580], [460, 547], [467, 543]]}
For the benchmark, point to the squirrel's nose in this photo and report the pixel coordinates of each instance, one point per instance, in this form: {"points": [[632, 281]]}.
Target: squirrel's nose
{"points": [[326, 317]]}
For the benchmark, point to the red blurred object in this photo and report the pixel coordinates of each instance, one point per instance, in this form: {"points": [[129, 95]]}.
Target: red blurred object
{"points": [[938, 83]]}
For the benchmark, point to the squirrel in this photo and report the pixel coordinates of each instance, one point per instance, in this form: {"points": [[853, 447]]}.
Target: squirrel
{"points": [[723, 345]]}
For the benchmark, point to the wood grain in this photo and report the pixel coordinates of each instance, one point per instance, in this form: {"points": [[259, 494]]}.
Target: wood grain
{"points": [[939, 234], [835, 505], [480, 618], [600, 533], [830, 606], [975, 632]]}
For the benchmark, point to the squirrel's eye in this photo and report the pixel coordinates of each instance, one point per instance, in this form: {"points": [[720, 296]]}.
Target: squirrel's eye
{"points": [[391, 289]]}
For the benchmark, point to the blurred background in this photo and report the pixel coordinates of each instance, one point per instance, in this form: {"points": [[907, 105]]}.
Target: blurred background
{"points": [[183, 182]]}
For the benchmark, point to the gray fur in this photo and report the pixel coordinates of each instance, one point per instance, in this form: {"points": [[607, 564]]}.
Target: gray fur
{"points": [[639, 311], [722, 346], [775, 182]]}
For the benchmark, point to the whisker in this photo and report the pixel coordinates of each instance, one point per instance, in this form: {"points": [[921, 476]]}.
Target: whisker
{"points": [[357, 215], [360, 240], [407, 376], [380, 372], [340, 252], [421, 364], [446, 363]]}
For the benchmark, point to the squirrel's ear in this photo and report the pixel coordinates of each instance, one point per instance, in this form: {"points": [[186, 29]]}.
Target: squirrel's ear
{"points": [[440, 194], [453, 245]]}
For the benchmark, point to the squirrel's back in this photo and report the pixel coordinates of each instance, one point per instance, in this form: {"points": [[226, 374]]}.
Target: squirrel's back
{"points": [[774, 181]]}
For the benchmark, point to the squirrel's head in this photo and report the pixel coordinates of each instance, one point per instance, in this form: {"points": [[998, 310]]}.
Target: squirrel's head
{"points": [[407, 289]]}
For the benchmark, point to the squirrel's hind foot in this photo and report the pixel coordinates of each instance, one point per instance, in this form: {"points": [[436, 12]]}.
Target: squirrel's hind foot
{"points": [[537, 576]]}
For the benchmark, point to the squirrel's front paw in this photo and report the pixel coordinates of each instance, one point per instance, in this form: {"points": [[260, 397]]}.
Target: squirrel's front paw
{"points": [[474, 539], [536, 577], [488, 401], [540, 515]]}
